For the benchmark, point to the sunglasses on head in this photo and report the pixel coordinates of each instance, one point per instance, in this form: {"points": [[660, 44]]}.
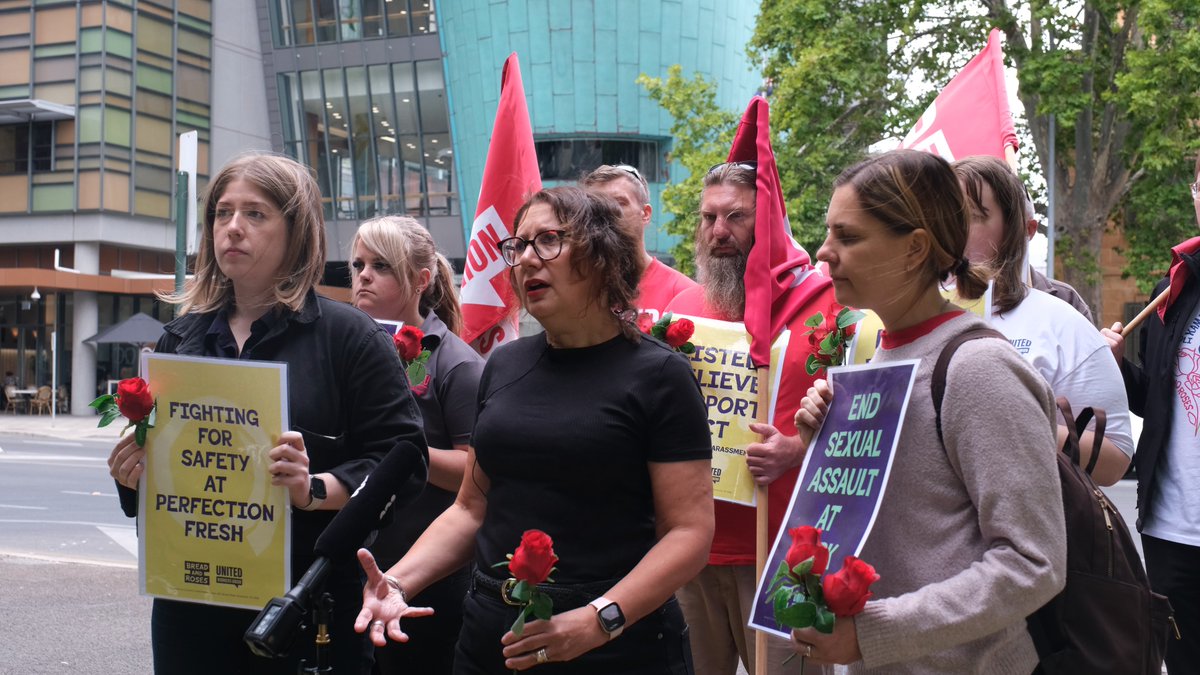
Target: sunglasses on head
{"points": [[747, 166]]}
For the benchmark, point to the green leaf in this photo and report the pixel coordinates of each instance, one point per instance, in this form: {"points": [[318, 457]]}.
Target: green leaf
{"points": [[797, 615], [802, 568], [824, 621], [812, 365], [782, 572], [521, 591], [687, 348], [658, 332], [500, 564], [101, 402], [815, 320], [830, 342], [543, 606], [848, 317], [812, 585], [416, 373], [108, 417], [518, 626]]}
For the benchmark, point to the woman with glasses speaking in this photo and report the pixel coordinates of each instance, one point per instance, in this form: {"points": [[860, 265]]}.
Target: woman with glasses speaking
{"points": [[589, 432]]}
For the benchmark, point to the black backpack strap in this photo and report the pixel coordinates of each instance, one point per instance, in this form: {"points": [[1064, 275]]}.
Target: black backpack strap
{"points": [[1081, 423], [937, 384]]}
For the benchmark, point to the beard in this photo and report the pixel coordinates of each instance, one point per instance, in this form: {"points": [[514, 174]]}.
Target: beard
{"points": [[723, 279]]}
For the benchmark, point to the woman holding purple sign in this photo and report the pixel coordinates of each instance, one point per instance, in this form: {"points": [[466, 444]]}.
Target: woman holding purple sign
{"points": [[969, 538]]}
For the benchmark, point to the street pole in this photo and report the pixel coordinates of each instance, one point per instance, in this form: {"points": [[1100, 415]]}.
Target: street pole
{"points": [[181, 205]]}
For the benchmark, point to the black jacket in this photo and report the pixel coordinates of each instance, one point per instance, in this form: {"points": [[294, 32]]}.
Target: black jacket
{"points": [[346, 395], [1151, 388]]}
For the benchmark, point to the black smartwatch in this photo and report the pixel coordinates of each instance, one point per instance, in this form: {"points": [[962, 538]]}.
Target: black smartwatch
{"points": [[316, 492], [609, 614]]}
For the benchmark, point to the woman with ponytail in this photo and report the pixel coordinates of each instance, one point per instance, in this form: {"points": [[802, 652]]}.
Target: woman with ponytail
{"points": [[398, 275], [969, 537]]}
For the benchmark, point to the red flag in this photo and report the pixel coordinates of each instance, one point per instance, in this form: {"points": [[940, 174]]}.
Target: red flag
{"points": [[780, 277], [509, 176], [1178, 274], [971, 115]]}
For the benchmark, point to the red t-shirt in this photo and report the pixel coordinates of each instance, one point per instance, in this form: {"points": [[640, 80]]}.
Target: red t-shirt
{"points": [[733, 541], [660, 284]]}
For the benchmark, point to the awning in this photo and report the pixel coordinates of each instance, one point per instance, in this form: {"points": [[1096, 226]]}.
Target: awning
{"points": [[35, 109], [139, 329]]}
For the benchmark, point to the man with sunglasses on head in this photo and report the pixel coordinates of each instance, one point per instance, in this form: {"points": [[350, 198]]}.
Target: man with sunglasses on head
{"points": [[660, 283], [718, 602]]}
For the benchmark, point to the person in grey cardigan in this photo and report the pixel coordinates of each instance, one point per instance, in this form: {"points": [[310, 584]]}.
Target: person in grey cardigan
{"points": [[970, 537]]}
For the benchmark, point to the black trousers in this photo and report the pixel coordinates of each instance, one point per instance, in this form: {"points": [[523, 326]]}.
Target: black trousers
{"points": [[190, 638], [656, 645], [1174, 571]]}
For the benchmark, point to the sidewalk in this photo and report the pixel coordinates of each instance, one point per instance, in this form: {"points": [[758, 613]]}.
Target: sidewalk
{"points": [[62, 427]]}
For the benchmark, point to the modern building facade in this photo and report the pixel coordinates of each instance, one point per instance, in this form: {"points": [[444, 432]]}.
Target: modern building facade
{"points": [[390, 101]]}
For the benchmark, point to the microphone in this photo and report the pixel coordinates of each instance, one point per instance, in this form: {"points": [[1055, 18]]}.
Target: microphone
{"points": [[397, 481]]}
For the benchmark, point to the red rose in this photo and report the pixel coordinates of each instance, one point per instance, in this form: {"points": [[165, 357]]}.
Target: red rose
{"points": [[806, 543], [534, 559], [679, 332], [408, 342], [847, 591], [134, 399]]}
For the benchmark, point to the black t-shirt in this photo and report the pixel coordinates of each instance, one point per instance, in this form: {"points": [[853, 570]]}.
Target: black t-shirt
{"points": [[565, 435], [447, 403]]}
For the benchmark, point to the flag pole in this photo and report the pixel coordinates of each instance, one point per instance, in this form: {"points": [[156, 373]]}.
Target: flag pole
{"points": [[762, 520], [1146, 312]]}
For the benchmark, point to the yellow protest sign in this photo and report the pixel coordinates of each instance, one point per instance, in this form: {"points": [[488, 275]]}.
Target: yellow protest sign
{"points": [[721, 363], [211, 527], [867, 331]]}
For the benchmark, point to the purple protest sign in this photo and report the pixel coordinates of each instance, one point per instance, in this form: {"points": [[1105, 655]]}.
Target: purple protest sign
{"points": [[845, 472]]}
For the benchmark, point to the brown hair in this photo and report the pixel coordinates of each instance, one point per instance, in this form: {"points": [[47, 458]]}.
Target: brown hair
{"points": [[408, 248], [607, 173], [599, 249], [910, 190], [1009, 258], [291, 188]]}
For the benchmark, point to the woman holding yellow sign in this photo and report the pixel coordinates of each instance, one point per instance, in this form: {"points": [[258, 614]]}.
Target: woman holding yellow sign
{"points": [[262, 252], [591, 435], [969, 538], [398, 275]]}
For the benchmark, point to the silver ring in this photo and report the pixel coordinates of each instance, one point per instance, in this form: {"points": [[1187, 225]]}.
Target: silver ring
{"points": [[541, 655], [808, 651], [378, 623]]}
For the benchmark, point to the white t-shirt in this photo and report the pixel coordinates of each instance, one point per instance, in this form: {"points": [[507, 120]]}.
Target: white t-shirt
{"points": [[1175, 512], [1073, 357]]}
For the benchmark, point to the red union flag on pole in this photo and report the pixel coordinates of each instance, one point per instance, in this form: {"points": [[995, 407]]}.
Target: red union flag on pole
{"points": [[971, 115], [509, 176], [779, 277]]}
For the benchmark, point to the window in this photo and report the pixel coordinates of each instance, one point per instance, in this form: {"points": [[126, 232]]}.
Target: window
{"points": [[25, 145], [571, 159]]}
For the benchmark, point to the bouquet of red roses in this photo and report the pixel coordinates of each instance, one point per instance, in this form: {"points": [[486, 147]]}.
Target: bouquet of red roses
{"points": [[134, 402], [531, 564], [803, 595]]}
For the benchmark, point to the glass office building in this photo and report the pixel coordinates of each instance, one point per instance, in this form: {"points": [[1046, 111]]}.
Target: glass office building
{"points": [[391, 102]]}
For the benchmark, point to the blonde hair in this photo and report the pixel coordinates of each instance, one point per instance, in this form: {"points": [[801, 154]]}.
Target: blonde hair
{"points": [[408, 248], [291, 187]]}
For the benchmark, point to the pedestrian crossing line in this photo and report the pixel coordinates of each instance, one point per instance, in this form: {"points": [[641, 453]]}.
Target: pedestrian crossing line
{"points": [[28, 508]]}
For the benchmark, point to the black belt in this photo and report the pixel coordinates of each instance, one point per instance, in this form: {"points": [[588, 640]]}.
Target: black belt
{"points": [[565, 596]]}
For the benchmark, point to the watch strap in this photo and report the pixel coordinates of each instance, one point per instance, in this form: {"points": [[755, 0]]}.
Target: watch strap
{"points": [[314, 501], [599, 604]]}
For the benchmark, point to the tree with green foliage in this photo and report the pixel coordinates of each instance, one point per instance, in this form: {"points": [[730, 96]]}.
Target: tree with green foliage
{"points": [[1120, 79], [703, 133]]}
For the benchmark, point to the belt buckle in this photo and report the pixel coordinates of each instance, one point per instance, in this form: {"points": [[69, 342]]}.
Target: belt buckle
{"points": [[506, 592]]}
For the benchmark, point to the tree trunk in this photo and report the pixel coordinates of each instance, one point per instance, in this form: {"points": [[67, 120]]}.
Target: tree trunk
{"points": [[1080, 256]]}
